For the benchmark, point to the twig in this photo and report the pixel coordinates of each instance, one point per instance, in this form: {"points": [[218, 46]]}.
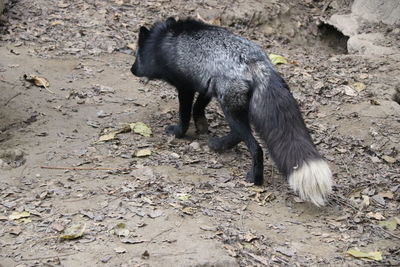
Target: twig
{"points": [[325, 7], [387, 232], [9, 100], [85, 168], [157, 235], [343, 201], [49, 257], [163, 232]]}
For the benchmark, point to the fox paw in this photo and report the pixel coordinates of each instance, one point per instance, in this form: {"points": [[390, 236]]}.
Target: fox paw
{"points": [[256, 179], [174, 130], [201, 125], [215, 144]]}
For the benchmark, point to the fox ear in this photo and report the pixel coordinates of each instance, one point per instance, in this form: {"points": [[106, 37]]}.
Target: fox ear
{"points": [[170, 21], [143, 32]]}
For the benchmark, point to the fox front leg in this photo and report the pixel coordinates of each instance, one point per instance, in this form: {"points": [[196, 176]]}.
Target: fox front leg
{"points": [[185, 108]]}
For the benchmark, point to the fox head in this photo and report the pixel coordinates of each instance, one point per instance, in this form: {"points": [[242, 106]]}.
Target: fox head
{"points": [[149, 49], [144, 58]]}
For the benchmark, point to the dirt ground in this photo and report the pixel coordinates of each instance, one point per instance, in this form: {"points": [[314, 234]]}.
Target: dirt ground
{"points": [[184, 205]]}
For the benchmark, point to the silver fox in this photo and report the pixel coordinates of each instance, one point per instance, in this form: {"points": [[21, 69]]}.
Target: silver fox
{"points": [[196, 57]]}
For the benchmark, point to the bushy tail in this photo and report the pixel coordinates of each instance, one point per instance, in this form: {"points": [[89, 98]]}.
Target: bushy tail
{"points": [[277, 119]]}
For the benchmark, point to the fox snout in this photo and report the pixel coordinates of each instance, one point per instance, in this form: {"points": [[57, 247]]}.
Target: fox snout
{"points": [[134, 69]]}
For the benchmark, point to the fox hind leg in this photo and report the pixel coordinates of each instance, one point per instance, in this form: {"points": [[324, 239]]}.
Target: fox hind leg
{"points": [[233, 96], [239, 123], [199, 116], [221, 144]]}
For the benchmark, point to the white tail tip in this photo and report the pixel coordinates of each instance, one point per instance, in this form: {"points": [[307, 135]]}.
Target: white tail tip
{"points": [[312, 181]]}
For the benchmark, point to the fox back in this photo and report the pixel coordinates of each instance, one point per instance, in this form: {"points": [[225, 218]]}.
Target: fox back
{"points": [[190, 53]]}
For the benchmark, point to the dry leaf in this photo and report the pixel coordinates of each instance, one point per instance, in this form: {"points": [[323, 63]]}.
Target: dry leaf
{"points": [[391, 224], [375, 215], [143, 152], [182, 196], [359, 86], [189, 210], [37, 80], [140, 128], [213, 21], [388, 195], [375, 102], [120, 230], [57, 22], [109, 136], [373, 255], [349, 91], [58, 227], [19, 215], [73, 232], [277, 59], [120, 250], [365, 202], [389, 159]]}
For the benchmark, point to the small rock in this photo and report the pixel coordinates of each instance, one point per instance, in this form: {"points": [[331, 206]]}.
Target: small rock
{"points": [[174, 155], [285, 251], [120, 250], [102, 114], [194, 146]]}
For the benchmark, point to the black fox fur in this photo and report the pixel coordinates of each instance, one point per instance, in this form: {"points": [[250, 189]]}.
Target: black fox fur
{"points": [[209, 60]]}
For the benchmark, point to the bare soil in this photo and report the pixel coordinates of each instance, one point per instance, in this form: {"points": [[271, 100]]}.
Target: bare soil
{"points": [[184, 205]]}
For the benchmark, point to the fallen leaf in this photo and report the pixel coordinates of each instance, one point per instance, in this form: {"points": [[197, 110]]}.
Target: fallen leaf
{"points": [[213, 21], [248, 237], [375, 102], [15, 230], [365, 202], [375, 215], [373, 255], [140, 128], [389, 159], [155, 213], [231, 250], [37, 80], [57, 22], [390, 225], [127, 240], [19, 215], [120, 230], [120, 250], [189, 210], [277, 59], [358, 86], [132, 46], [109, 136], [182, 196], [58, 227], [73, 232], [143, 152], [349, 91], [388, 195]]}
